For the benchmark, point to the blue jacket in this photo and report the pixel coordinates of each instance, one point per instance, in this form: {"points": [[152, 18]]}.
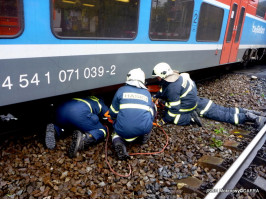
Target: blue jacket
{"points": [[180, 96], [133, 112]]}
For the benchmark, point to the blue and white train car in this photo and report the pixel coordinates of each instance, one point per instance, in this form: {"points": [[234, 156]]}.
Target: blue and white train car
{"points": [[55, 47]]}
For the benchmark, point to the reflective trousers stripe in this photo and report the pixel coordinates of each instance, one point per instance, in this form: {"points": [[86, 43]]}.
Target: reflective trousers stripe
{"points": [[177, 118], [115, 135], [189, 109], [237, 110], [112, 108], [206, 108], [236, 118], [77, 99], [137, 106], [104, 132]]}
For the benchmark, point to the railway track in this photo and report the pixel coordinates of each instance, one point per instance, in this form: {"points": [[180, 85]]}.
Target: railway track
{"points": [[242, 172]]}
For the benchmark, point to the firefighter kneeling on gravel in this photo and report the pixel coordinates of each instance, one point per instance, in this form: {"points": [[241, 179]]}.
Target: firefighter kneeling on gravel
{"points": [[80, 115], [180, 94], [133, 113]]}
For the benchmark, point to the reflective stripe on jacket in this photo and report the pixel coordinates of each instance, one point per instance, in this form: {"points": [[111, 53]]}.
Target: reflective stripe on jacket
{"points": [[132, 109], [180, 96]]}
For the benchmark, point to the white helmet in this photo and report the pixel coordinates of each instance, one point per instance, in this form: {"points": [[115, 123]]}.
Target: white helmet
{"points": [[136, 75], [162, 70]]}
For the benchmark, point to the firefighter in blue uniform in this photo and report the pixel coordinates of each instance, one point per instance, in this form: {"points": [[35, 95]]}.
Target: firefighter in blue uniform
{"points": [[208, 109], [179, 92], [183, 105], [133, 112], [80, 115]]}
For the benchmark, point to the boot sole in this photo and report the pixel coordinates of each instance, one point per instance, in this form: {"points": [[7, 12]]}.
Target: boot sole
{"points": [[73, 149], [120, 153], [50, 136]]}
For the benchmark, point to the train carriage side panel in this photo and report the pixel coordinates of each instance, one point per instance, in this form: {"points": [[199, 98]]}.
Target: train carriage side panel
{"points": [[38, 64]]}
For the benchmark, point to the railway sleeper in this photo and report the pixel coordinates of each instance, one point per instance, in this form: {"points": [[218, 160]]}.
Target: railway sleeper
{"points": [[236, 146], [191, 185], [212, 162], [243, 133], [259, 183]]}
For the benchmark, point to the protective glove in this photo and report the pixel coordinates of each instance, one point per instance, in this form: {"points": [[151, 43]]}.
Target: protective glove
{"points": [[161, 123]]}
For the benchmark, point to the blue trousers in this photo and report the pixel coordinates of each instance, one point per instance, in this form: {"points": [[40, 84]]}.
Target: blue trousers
{"points": [[76, 115]]}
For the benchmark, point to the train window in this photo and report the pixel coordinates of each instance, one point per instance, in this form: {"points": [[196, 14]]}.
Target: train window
{"points": [[95, 19], [10, 18], [261, 9], [231, 23], [171, 20], [210, 23], [240, 23]]}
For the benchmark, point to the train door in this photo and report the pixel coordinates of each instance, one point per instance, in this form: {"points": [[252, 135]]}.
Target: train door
{"points": [[233, 31]]}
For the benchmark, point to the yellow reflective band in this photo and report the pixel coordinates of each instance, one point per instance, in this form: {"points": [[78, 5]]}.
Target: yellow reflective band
{"points": [[188, 90], [236, 118], [189, 109], [112, 108], [97, 100], [237, 110], [171, 114], [114, 135], [130, 139], [84, 102], [174, 103], [184, 83], [177, 118], [104, 132], [137, 106], [161, 90], [206, 108]]}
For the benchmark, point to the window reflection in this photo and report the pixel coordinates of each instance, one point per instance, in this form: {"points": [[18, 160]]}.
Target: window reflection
{"points": [[95, 18]]}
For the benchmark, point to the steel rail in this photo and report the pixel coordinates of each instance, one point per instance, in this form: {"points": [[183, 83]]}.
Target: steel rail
{"points": [[235, 172]]}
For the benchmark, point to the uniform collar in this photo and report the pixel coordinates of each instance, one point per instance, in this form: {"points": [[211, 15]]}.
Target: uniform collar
{"points": [[137, 84], [173, 77]]}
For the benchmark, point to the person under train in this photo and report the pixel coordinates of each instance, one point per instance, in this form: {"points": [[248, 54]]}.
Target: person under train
{"points": [[208, 109], [183, 106], [132, 112], [80, 116]]}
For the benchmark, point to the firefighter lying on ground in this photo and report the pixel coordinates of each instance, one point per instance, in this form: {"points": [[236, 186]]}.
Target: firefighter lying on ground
{"points": [[182, 102], [208, 109], [133, 112], [80, 116]]}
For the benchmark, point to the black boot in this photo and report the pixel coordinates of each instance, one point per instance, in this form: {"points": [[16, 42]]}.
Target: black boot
{"points": [[50, 136], [120, 149], [144, 139], [195, 118], [253, 112], [79, 142], [259, 121]]}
